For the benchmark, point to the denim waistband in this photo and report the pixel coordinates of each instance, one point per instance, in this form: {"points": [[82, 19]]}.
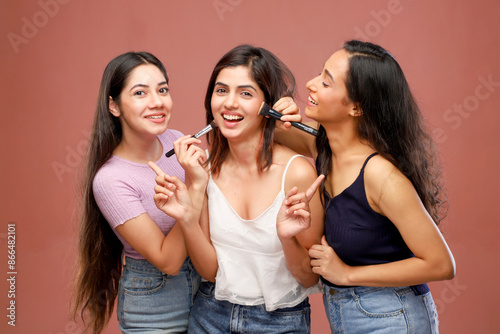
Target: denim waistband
{"points": [[350, 291], [144, 266]]}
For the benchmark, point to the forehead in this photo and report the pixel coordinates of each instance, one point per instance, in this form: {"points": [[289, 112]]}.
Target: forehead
{"points": [[146, 73], [236, 75], [338, 63]]}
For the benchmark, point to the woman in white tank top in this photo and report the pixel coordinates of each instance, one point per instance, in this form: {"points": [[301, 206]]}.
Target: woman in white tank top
{"points": [[247, 244]]}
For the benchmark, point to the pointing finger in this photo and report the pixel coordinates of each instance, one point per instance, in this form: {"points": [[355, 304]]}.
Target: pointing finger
{"points": [[312, 189], [156, 168]]}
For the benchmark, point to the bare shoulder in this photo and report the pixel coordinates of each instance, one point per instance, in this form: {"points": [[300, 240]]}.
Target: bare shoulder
{"points": [[301, 171], [378, 169], [379, 166], [382, 176]]}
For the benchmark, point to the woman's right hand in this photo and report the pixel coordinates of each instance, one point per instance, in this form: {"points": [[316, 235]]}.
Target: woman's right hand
{"points": [[291, 112], [192, 158], [172, 196]]}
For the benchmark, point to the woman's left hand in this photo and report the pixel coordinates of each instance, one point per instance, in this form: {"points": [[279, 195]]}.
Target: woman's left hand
{"points": [[171, 195], [295, 215], [326, 262]]}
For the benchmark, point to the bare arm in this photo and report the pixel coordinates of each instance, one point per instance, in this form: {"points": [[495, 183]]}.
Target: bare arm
{"points": [[192, 205], [300, 220], [166, 253], [200, 248]]}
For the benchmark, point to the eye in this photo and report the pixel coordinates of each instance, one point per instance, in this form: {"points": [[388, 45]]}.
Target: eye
{"points": [[326, 81], [140, 93], [164, 90], [220, 90], [246, 94]]}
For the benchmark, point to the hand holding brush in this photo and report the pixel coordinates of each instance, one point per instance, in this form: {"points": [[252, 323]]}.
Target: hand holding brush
{"points": [[202, 132], [266, 110]]}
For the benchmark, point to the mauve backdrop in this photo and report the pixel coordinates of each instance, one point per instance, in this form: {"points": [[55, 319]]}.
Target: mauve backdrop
{"points": [[53, 53]]}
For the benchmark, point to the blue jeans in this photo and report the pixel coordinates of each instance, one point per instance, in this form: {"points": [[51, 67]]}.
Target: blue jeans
{"points": [[379, 310], [154, 302], [210, 315]]}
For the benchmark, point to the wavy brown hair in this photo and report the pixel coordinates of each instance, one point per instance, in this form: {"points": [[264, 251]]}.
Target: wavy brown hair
{"points": [[391, 123], [99, 249], [276, 81]]}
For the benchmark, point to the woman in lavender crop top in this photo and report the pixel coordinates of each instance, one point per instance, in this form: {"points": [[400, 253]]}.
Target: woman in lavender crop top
{"points": [[381, 194], [129, 251]]}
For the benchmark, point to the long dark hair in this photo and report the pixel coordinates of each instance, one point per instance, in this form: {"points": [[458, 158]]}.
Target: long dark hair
{"points": [[272, 76], [100, 250], [391, 122]]}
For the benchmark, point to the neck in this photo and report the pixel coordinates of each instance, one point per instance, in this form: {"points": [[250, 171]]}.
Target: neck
{"points": [[244, 153], [343, 140], [139, 149]]}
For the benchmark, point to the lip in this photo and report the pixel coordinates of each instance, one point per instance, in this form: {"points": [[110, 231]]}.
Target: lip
{"points": [[311, 104], [159, 117], [230, 123]]}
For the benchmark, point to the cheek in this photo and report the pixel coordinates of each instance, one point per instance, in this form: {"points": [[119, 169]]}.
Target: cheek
{"points": [[332, 99], [169, 104], [215, 103], [252, 107]]}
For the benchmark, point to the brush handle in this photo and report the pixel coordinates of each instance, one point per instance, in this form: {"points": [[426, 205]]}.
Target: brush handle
{"points": [[170, 153], [300, 126], [305, 128], [199, 134]]}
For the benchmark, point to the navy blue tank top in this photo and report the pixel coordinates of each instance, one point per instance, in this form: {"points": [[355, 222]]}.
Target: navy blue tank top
{"points": [[358, 234]]}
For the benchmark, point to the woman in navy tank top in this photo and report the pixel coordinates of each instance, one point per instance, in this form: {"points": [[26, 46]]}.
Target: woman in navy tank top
{"points": [[382, 196]]}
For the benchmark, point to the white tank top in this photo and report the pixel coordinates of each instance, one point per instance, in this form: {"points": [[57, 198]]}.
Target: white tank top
{"points": [[252, 266]]}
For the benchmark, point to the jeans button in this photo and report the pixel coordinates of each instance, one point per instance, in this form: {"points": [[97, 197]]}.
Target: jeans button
{"points": [[332, 292]]}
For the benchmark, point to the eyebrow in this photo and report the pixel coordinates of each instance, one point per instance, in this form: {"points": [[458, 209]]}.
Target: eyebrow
{"points": [[329, 74], [146, 86], [241, 86]]}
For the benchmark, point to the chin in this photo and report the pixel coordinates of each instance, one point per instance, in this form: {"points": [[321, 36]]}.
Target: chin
{"points": [[308, 113], [159, 131]]}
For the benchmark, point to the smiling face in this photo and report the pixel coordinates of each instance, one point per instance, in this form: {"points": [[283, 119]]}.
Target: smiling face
{"points": [[145, 103], [235, 103], [328, 99]]}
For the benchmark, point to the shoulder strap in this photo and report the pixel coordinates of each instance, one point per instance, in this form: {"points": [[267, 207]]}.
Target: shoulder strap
{"points": [[367, 159], [209, 164], [286, 168]]}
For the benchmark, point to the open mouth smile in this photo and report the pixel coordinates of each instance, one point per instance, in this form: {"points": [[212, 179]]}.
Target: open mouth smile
{"points": [[312, 101], [232, 118]]}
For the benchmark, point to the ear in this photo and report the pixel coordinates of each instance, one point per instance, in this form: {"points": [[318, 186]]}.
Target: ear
{"points": [[356, 111], [113, 108]]}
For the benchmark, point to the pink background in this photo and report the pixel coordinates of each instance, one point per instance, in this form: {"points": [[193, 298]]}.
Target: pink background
{"points": [[53, 53]]}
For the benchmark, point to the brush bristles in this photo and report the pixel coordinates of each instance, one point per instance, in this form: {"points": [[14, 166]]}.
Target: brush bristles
{"points": [[264, 109]]}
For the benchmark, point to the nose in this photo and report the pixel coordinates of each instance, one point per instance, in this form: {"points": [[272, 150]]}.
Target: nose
{"points": [[310, 85], [155, 100], [231, 101]]}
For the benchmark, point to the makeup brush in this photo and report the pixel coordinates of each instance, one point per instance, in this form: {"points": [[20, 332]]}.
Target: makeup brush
{"points": [[266, 110], [203, 131]]}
